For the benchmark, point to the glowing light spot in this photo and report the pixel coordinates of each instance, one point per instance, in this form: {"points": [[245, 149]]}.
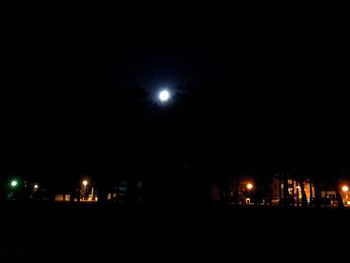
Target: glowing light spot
{"points": [[164, 95], [250, 186]]}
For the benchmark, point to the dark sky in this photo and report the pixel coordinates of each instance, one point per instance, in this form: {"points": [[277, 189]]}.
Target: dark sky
{"points": [[285, 84], [173, 65]]}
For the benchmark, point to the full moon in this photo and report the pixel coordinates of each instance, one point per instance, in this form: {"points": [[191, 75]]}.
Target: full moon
{"points": [[164, 95]]}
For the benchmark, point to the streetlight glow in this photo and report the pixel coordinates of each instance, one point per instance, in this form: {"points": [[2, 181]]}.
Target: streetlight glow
{"points": [[345, 188], [36, 186], [85, 183], [250, 186], [14, 183]]}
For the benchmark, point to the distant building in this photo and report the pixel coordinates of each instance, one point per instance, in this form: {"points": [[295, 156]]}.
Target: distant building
{"points": [[286, 189]]}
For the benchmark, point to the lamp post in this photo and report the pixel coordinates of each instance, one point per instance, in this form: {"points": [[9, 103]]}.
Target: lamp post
{"points": [[85, 183], [250, 187], [14, 187]]}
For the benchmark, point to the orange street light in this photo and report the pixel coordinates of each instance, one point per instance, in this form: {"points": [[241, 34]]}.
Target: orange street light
{"points": [[250, 186]]}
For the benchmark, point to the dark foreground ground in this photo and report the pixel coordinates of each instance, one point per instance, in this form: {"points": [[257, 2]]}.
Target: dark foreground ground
{"points": [[33, 233]]}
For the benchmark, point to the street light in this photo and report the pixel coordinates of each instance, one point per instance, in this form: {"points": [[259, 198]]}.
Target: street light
{"points": [[250, 186], [345, 188], [85, 183], [14, 183], [36, 186]]}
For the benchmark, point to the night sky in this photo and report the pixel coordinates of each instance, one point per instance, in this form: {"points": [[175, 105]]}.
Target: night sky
{"points": [[252, 145], [271, 96]]}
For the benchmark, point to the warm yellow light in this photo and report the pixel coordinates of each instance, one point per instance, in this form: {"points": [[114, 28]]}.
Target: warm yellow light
{"points": [[250, 186], [85, 183], [345, 188]]}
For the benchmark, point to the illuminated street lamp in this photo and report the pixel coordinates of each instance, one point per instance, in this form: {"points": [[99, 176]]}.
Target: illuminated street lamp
{"points": [[85, 183], [36, 186], [14, 183], [250, 186], [345, 188]]}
